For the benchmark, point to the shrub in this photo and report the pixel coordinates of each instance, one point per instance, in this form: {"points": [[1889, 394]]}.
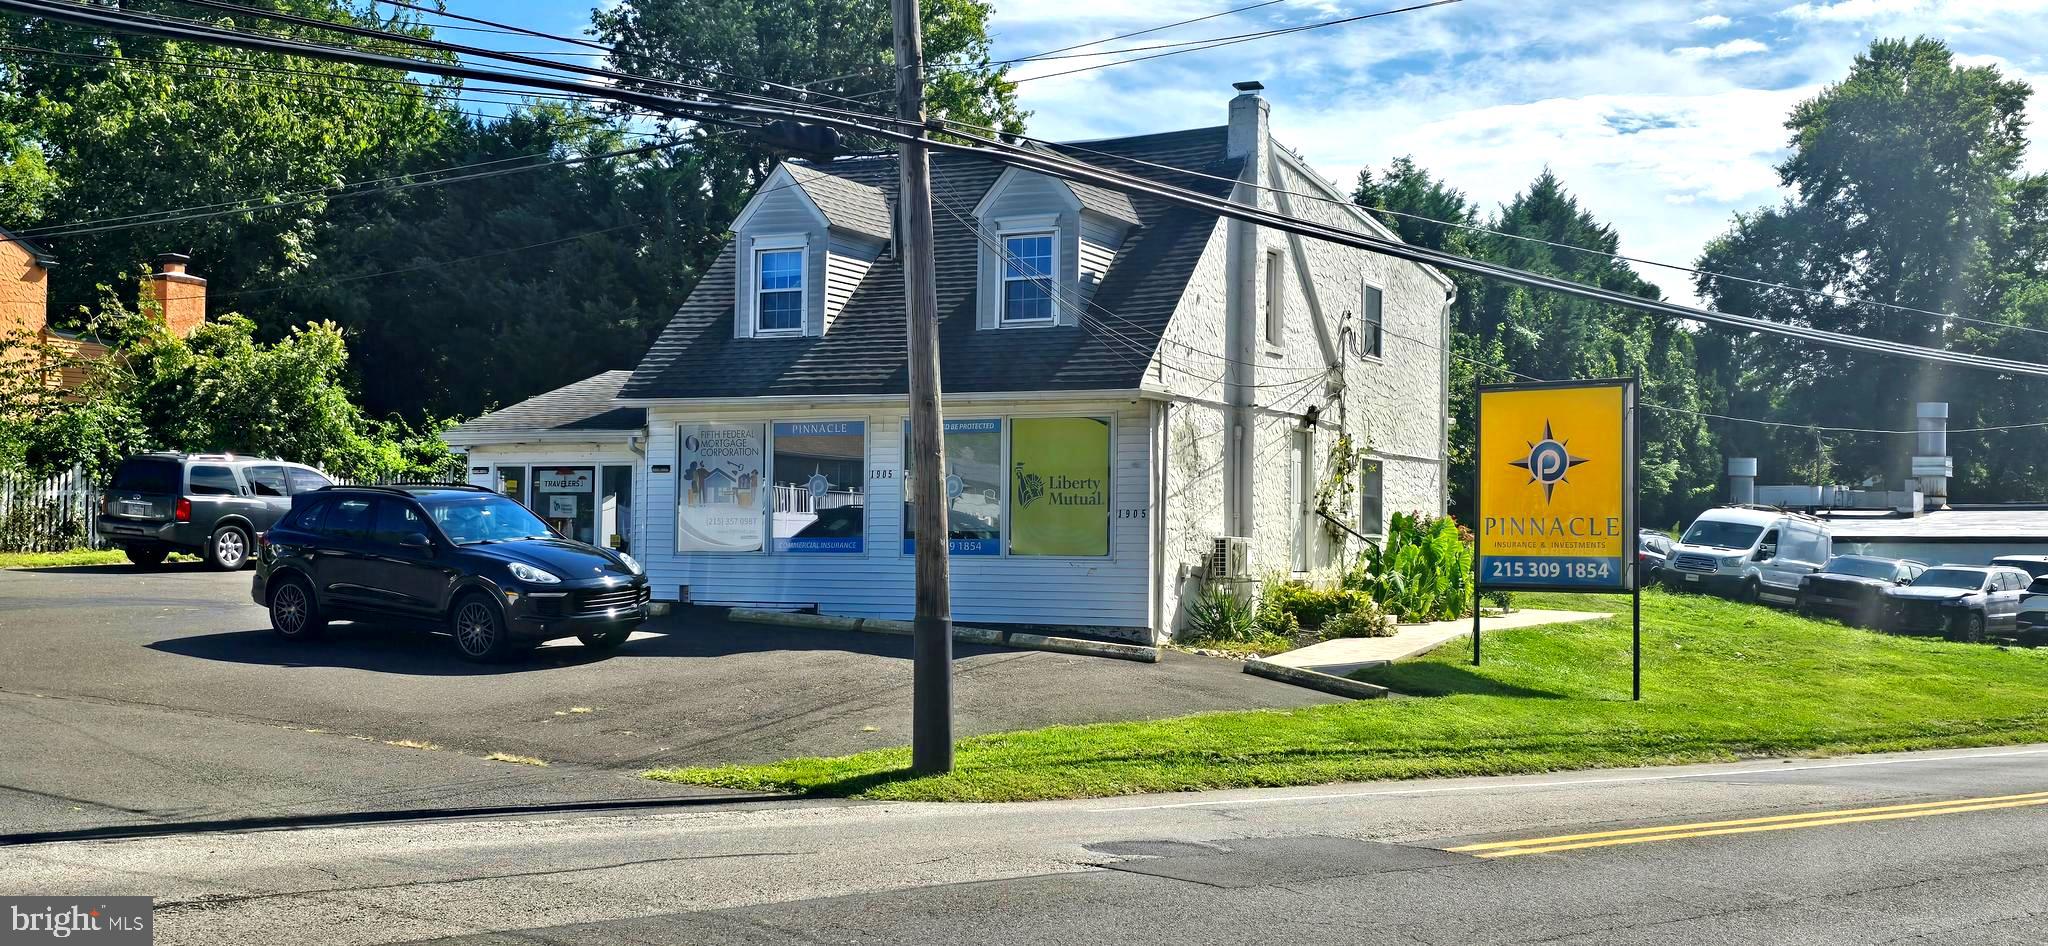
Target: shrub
{"points": [[1422, 572], [1308, 605], [1278, 622], [1217, 616], [1366, 621], [1504, 600]]}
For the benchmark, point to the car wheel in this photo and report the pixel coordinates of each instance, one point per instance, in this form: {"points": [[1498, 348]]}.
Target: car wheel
{"points": [[479, 629], [605, 640], [228, 549], [146, 556], [1968, 628], [1748, 593], [294, 613]]}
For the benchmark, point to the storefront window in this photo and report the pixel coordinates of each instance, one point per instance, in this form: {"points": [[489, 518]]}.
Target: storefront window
{"points": [[615, 509], [512, 482], [974, 489], [818, 496], [1059, 486], [719, 471], [564, 496]]}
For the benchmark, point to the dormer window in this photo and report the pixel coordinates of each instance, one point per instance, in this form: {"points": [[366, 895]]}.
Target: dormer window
{"points": [[1030, 265], [779, 295]]}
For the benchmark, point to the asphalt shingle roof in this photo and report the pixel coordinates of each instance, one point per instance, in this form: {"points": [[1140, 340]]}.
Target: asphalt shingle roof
{"points": [[847, 204], [585, 405], [865, 351]]}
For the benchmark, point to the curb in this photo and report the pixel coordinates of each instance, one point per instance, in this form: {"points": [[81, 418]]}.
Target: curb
{"points": [[1328, 683], [972, 635]]}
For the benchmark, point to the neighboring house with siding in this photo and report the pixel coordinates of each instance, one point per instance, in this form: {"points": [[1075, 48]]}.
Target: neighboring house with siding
{"points": [[1125, 381]]}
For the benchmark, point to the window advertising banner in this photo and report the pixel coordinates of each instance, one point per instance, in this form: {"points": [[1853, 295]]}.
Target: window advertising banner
{"points": [[819, 499], [974, 489], [1556, 486], [1059, 486], [720, 482]]}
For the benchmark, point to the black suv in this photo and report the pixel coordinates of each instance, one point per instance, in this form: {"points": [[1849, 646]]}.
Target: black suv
{"points": [[214, 505], [460, 558]]}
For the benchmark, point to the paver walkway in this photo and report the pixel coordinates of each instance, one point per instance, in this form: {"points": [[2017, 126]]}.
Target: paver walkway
{"points": [[1343, 656]]}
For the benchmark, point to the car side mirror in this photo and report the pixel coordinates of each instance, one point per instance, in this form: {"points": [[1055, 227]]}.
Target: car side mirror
{"points": [[417, 542]]}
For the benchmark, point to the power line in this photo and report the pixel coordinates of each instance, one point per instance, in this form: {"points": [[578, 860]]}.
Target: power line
{"points": [[1149, 30], [1058, 167], [414, 185], [1191, 46]]}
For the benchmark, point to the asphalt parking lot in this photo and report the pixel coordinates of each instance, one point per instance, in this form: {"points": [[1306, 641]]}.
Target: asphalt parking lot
{"points": [[136, 696]]}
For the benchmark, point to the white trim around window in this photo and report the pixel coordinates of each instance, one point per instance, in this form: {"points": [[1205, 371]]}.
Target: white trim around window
{"points": [[780, 248], [1050, 280], [1371, 340]]}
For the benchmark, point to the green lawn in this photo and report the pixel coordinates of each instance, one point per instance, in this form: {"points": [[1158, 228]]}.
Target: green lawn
{"points": [[1721, 681], [73, 557], [76, 557]]}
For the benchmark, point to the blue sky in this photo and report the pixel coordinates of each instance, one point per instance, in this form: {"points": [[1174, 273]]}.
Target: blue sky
{"points": [[1664, 116]]}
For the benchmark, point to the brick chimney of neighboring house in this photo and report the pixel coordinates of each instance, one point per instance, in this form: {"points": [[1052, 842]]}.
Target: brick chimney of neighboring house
{"points": [[180, 296]]}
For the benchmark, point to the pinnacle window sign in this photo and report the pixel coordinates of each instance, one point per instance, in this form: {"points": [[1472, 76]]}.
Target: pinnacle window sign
{"points": [[1556, 486]]}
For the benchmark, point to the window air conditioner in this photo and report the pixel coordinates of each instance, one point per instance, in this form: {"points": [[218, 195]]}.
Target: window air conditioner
{"points": [[1230, 557]]}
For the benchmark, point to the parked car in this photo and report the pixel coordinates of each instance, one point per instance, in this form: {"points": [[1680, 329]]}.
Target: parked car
{"points": [[1964, 602], [2035, 565], [2030, 626], [1749, 553], [1653, 553], [1852, 587], [458, 558], [215, 505]]}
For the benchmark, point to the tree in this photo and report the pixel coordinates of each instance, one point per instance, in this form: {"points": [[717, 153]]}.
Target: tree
{"points": [[837, 49], [1904, 192], [1504, 333], [110, 127]]}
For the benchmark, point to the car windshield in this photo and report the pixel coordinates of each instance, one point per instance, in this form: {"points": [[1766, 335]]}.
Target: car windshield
{"points": [[1950, 578], [1860, 567], [1722, 535], [474, 518]]}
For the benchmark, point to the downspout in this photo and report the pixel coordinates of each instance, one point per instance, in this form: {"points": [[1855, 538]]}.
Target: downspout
{"points": [[1162, 444], [1443, 456]]}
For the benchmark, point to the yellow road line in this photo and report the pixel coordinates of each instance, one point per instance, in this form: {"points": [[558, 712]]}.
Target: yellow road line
{"points": [[1802, 816], [1573, 842]]}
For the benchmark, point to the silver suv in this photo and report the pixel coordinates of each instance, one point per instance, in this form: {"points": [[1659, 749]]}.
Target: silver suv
{"points": [[214, 505]]}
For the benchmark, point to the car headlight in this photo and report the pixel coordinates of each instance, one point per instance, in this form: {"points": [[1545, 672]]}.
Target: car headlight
{"points": [[1733, 560], [632, 564], [531, 575]]}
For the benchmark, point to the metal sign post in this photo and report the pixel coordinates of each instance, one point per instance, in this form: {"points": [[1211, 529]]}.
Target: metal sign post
{"points": [[1555, 493]]}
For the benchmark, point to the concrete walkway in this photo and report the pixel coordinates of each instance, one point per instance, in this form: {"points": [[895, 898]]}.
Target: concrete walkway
{"points": [[1343, 656]]}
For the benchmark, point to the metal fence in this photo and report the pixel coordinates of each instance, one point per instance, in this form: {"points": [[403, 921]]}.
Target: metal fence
{"points": [[47, 515]]}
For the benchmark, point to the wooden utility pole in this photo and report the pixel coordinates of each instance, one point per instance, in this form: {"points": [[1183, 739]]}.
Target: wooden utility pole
{"points": [[931, 741]]}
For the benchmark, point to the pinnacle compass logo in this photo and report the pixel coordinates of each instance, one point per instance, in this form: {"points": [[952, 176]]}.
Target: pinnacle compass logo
{"points": [[1549, 462]]}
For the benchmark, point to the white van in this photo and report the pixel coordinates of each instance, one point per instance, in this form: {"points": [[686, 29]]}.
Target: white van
{"points": [[1749, 553]]}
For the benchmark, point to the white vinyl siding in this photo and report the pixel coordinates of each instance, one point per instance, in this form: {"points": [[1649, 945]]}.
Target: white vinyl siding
{"points": [[847, 263], [1113, 592]]}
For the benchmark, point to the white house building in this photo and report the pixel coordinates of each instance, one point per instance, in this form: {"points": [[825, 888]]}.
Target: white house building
{"points": [[1125, 382]]}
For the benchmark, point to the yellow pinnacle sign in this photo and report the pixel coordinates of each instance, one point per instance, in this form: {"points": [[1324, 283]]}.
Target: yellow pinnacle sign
{"points": [[1556, 490]]}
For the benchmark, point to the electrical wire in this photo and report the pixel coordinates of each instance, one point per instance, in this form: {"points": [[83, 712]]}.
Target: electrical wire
{"points": [[1189, 46], [1147, 31], [1058, 167]]}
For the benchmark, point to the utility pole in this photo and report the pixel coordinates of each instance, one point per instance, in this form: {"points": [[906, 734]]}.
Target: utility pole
{"points": [[931, 740]]}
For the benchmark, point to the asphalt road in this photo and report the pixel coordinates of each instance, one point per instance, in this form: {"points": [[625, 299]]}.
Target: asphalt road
{"points": [[1934, 848], [132, 698]]}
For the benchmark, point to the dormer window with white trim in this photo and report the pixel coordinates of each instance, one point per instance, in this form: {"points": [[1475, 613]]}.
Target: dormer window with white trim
{"points": [[1030, 265], [779, 289]]}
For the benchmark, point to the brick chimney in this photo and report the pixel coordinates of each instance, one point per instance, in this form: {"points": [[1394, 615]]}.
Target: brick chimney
{"points": [[180, 296]]}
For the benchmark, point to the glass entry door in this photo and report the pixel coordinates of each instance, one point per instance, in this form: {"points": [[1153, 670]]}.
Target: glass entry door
{"points": [[615, 509], [566, 496]]}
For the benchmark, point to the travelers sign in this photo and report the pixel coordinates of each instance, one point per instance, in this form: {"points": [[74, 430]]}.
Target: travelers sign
{"points": [[1556, 490]]}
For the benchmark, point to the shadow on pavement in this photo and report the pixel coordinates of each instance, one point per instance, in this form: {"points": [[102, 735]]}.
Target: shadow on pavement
{"points": [[120, 568], [294, 822], [412, 651]]}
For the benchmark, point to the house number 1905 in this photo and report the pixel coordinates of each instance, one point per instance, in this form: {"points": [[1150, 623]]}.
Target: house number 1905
{"points": [[1133, 513]]}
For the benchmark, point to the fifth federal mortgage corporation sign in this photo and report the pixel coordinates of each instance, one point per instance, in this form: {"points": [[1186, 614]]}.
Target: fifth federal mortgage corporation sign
{"points": [[1556, 486]]}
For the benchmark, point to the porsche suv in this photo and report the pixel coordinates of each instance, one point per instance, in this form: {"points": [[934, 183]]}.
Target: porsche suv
{"points": [[457, 558]]}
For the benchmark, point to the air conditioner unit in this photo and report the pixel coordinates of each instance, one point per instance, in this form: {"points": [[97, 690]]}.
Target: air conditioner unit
{"points": [[1230, 557]]}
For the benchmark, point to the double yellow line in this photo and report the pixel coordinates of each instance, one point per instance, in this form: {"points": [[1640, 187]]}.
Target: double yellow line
{"points": [[1707, 829]]}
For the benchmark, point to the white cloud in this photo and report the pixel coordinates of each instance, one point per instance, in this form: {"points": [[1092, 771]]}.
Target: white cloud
{"points": [[1712, 21], [1852, 10], [1727, 50]]}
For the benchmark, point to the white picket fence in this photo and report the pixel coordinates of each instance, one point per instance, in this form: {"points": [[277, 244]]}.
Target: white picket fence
{"points": [[47, 515]]}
